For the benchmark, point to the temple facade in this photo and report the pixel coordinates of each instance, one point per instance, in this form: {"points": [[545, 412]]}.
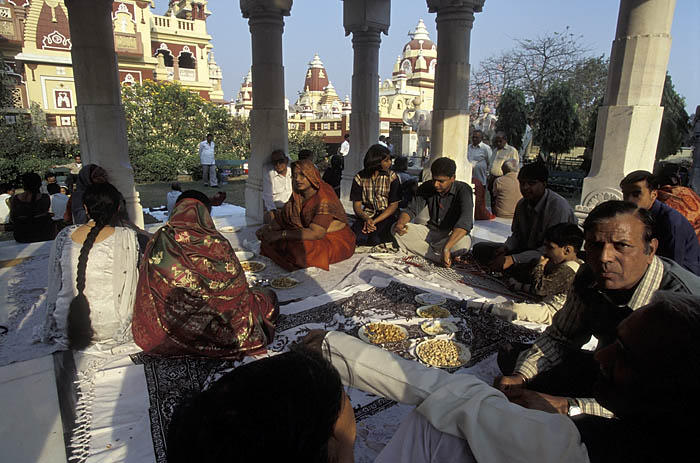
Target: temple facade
{"points": [[35, 42], [319, 109]]}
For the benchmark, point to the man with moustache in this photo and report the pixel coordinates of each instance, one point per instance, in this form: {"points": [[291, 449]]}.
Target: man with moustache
{"points": [[539, 209], [621, 274]]}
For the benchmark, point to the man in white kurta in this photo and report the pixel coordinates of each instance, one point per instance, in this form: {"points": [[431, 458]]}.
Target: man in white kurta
{"points": [[277, 184], [206, 158], [479, 155]]}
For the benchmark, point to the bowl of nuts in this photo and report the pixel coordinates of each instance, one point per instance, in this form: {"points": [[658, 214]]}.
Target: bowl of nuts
{"points": [[379, 333], [433, 311], [437, 326], [443, 353]]}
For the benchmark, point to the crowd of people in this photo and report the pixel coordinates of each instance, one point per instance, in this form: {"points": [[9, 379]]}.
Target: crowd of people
{"points": [[629, 277]]}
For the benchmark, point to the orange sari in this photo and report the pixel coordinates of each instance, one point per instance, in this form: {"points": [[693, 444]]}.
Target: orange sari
{"points": [[685, 201], [321, 209]]}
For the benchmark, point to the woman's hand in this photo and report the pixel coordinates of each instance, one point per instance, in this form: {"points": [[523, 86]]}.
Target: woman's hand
{"points": [[369, 226]]}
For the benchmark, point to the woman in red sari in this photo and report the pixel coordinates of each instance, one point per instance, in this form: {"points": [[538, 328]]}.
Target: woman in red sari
{"points": [[192, 296], [311, 230]]}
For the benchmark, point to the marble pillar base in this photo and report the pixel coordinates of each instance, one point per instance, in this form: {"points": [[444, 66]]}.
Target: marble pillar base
{"points": [[268, 132], [103, 141], [626, 141], [450, 140]]}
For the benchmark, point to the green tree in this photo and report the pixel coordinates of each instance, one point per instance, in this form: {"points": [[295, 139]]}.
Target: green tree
{"points": [[588, 83], [511, 116], [299, 140], [558, 122], [674, 124], [166, 123]]}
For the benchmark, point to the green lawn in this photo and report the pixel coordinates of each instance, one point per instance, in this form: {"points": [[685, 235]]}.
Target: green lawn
{"points": [[153, 194]]}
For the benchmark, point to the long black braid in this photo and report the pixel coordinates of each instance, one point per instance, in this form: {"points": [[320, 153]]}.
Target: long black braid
{"points": [[102, 202]]}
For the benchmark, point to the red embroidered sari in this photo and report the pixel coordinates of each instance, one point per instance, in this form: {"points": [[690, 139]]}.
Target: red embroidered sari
{"points": [[192, 296], [322, 208]]}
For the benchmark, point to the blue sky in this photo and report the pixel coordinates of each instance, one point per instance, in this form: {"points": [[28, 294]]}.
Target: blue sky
{"points": [[315, 26]]}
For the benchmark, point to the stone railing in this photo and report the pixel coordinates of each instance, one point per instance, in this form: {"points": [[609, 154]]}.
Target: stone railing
{"points": [[176, 26]]}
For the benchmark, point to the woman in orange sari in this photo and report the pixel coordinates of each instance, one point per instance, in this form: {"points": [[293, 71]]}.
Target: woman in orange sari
{"points": [[192, 296], [311, 230]]}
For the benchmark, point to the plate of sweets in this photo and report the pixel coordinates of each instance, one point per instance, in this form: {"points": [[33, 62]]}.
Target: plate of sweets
{"points": [[443, 353], [284, 283], [436, 326], [379, 333], [252, 266], [433, 311], [430, 299]]}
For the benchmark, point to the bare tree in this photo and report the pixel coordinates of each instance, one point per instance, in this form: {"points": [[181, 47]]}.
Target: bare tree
{"points": [[533, 65]]}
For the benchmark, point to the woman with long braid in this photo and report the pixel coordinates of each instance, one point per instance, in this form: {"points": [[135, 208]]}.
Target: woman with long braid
{"points": [[92, 276]]}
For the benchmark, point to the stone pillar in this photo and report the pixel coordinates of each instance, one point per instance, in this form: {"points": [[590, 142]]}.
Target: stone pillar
{"points": [[630, 118], [100, 114], [366, 20], [268, 118], [695, 132], [450, 124]]}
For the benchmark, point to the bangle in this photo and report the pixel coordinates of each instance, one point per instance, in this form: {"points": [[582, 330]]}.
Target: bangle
{"points": [[284, 234]]}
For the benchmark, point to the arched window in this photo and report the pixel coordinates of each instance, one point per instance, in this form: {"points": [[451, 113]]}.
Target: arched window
{"points": [[186, 60], [167, 57], [406, 67]]}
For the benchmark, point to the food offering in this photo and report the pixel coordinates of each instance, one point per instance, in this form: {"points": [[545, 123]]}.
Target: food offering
{"points": [[252, 266], [430, 299], [380, 333], [284, 283], [436, 327], [443, 353], [433, 311]]}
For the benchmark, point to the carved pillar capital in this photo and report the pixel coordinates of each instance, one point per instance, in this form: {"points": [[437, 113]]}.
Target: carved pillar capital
{"points": [[366, 15], [251, 8]]}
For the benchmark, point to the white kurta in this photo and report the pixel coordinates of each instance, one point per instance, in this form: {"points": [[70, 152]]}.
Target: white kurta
{"points": [[459, 404], [206, 153]]}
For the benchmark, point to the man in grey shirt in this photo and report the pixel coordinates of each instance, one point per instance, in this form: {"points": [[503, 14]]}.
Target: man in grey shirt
{"points": [[539, 209], [450, 205]]}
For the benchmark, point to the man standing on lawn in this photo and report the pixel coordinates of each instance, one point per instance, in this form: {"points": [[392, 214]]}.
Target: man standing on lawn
{"points": [[206, 158]]}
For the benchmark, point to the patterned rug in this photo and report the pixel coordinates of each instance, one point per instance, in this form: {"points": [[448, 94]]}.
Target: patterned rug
{"points": [[170, 380]]}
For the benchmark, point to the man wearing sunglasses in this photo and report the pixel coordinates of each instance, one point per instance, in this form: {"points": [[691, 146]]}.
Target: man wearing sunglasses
{"points": [[277, 184]]}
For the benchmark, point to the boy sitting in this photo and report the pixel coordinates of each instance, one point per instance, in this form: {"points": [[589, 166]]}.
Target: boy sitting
{"points": [[549, 279]]}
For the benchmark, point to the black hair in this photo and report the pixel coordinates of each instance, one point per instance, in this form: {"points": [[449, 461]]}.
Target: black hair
{"points": [[346, 136], [49, 174], [565, 234], [306, 154], [195, 194], [668, 177], [210, 135], [102, 202], [175, 186], [401, 164], [610, 209], [31, 182], [534, 171], [246, 414], [443, 167], [53, 188], [640, 176], [373, 159], [6, 187], [336, 161]]}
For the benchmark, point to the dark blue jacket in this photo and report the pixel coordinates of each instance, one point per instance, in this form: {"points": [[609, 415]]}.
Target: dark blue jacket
{"points": [[677, 239]]}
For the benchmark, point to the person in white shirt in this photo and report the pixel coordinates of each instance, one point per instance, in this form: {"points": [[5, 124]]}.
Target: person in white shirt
{"points": [[382, 142], [6, 192], [345, 146], [503, 153], [479, 155], [277, 184], [206, 158], [647, 377], [173, 194]]}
